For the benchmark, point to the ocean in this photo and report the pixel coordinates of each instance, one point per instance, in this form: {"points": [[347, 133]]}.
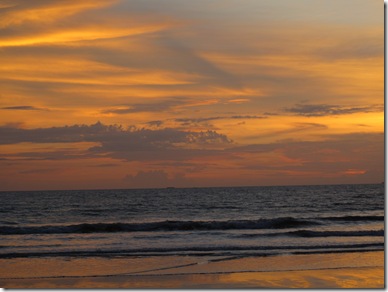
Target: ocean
{"points": [[233, 221]]}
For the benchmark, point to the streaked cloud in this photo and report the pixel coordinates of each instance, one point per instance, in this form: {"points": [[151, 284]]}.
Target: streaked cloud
{"points": [[145, 107], [24, 108], [318, 110], [370, 46], [188, 121], [18, 12], [104, 165]]}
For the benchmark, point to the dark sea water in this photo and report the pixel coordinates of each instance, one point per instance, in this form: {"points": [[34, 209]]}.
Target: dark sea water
{"points": [[195, 221]]}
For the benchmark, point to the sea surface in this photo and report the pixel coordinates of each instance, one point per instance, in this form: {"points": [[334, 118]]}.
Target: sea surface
{"points": [[239, 221]]}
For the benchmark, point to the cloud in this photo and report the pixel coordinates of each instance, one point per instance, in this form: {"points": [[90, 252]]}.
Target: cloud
{"points": [[245, 117], [45, 170], [44, 11], [163, 52], [75, 34], [27, 24], [365, 46], [161, 145], [191, 61], [296, 128], [171, 157], [319, 110], [116, 142], [53, 155], [188, 121], [24, 107], [144, 107], [65, 134], [328, 161], [155, 123], [105, 165]]}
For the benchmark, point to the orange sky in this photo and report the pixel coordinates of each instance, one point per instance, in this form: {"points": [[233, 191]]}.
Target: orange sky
{"points": [[150, 93]]}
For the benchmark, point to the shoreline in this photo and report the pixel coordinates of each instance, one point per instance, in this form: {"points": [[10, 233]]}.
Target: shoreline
{"points": [[343, 270]]}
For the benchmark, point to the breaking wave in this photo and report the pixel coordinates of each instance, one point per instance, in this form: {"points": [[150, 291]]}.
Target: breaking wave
{"points": [[275, 223]]}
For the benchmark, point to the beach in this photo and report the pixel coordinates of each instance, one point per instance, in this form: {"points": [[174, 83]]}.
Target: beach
{"points": [[329, 270]]}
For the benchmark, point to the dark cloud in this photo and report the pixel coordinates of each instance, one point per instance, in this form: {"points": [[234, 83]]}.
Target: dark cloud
{"points": [[106, 134], [105, 165], [310, 125], [178, 149], [117, 142], [318, 110], [245, 117], [330, 140], [24, 107], [187, 152], [54, 155], [200, 120], [165, 144], [66, 134], [155, 123]]}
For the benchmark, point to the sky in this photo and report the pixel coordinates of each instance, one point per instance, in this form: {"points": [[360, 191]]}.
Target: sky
{"points": [[148, 93]]}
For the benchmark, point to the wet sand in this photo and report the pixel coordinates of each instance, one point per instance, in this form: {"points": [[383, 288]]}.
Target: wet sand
{"points": [[336, 270]]}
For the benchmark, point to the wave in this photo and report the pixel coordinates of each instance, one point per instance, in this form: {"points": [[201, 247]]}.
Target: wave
{"points": [[311, 233], [275, 223], [354, 218], [205, 251]]}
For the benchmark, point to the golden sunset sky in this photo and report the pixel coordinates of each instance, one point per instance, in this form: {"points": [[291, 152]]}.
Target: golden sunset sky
{"points": [[150, 93]]}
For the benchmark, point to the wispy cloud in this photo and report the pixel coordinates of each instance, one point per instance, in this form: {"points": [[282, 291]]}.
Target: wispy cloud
{"points": [[145, 107], [319, 110], [25, 24], [188, 121], [43, 11], [24, 107], [362, 47]]}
